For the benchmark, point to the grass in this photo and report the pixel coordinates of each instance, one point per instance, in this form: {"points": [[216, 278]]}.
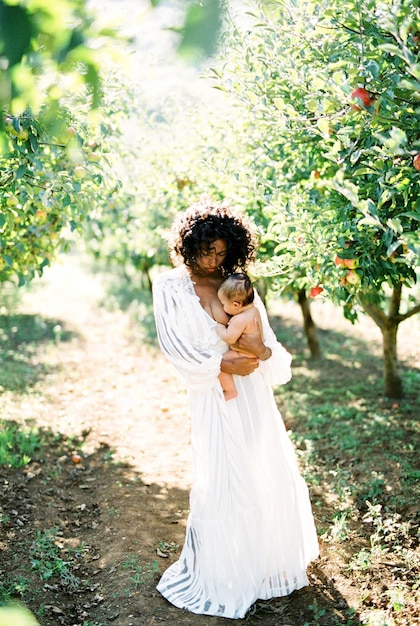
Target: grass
{"points": [[50, 558], [140, 573], [18, 444]]}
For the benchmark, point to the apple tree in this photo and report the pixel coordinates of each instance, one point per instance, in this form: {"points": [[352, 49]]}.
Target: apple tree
{"points": [[58, 115], [334, 94]]}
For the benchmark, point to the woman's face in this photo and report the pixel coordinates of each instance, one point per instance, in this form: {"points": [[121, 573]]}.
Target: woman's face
{"points": [[210, 259]]}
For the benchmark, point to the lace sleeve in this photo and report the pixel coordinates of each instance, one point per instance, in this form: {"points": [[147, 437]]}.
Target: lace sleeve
{"points": [[180, 334], [277, 369]]}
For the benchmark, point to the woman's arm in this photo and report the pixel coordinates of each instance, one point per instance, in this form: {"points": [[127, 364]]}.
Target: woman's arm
{"points": [[175, 309], [252, 342], [241, 365]]}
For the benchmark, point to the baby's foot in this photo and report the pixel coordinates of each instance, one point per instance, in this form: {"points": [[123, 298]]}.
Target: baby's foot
{"points": [[230, 394]]}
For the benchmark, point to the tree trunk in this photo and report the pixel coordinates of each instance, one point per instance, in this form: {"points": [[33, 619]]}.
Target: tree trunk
{"points": [[309, 325], [393, 385], [392, 378]]}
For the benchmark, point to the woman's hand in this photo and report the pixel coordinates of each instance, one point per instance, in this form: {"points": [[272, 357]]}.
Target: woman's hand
{"points": [[253, 343], [234, 363]]}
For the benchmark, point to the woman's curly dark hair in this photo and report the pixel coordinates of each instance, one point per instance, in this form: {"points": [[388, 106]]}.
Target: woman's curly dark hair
{"points": [[195, 229]]}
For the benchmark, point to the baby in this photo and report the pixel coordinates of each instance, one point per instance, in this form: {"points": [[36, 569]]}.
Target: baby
{"points": [[236, 294]]}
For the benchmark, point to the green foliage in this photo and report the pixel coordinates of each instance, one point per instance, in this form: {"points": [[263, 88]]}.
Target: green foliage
{"points": [[18, 445], [336, 176], [46, 51], [13, 614], [199, 34], [334, 171], [140, 573], [52, 180], [47, 552], [58, 111], [11, 589]]}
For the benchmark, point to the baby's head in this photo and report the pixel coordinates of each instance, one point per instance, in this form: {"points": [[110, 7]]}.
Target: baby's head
{"points": [[237, 292]]}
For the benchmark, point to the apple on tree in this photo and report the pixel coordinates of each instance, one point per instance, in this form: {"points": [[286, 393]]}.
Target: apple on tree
{"points": [[360, 93], [351, 263], [315, 291], [80, 172], [352, 278], [416, 161], [12, 201]]}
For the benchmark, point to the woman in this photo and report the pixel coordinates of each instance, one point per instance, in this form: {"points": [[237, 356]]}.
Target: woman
{"points": [[250, 532]]}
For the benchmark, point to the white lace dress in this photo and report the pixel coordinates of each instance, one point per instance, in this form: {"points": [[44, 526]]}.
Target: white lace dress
{"points": [[250, 532]]}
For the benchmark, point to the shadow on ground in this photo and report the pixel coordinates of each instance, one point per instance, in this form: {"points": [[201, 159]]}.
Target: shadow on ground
{"points": [[22, 340], [86, 542]]}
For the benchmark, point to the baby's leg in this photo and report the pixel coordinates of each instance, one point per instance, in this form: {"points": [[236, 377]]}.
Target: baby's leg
{"points": [[228, 386]]}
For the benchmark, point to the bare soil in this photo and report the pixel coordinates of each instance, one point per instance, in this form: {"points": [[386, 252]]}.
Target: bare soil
{"points": [[102, 393]]}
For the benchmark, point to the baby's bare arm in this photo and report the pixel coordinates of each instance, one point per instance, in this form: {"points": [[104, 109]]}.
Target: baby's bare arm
{"points": [[237, 325]]}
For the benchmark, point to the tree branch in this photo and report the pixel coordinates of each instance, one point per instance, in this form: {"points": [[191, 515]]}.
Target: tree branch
{"points": [[410, 313], [374, 312]]}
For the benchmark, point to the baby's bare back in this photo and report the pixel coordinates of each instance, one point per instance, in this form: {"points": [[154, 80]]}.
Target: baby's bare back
{"points": [[247, 320], [244, 323]]}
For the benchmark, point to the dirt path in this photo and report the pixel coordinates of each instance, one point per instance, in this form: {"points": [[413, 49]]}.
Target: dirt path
{"points": [[127, 395]]}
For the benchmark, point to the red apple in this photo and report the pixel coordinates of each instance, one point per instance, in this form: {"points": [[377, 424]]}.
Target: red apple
{"points": [[416, 161], [351, 263], [76, 458], [363, 95], [315, 291], [352, 277], [338, 260]]}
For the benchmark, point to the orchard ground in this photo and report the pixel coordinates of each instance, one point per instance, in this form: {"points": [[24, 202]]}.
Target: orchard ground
{"points": [[88, 525]]}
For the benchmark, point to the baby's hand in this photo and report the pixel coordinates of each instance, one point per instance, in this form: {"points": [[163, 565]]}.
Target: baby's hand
{"points": [[220, 329]]}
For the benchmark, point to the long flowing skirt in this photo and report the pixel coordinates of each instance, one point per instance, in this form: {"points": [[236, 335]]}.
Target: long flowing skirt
{"points": [[250, 532]]}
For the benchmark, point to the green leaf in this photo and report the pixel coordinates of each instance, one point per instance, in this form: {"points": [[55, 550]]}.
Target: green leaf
{"points": [[395, 224], [414, 216], [369, 220], [372, 67], [362, 171], [392, 49], [323, 124], [21, 171], [391, 249], [33, 142]]}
